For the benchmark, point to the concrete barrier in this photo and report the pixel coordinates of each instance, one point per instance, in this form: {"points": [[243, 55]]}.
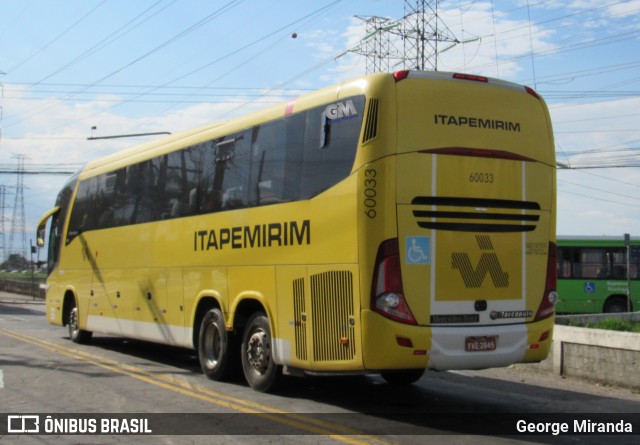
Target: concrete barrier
{"points": [[22, 287], [598, 355]]}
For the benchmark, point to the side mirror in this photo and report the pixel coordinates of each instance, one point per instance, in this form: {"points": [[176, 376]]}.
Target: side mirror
{"points": [[42, 225]]}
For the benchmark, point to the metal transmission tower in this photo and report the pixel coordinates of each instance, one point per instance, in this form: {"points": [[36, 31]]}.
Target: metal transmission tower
{"points": [[18, 219], [413, 42], [376, 45]]}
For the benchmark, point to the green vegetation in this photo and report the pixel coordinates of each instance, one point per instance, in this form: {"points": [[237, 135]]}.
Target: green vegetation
{"points": [[21, 276], [611, 324]]}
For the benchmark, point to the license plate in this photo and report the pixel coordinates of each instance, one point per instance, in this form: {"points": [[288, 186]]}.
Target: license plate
{"points": [[480, 344]]}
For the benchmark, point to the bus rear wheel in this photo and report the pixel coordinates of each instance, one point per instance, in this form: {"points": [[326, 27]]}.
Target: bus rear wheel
{"points": [[215, 347], [616, 305], [403, 377], [260, 370], [76, 334]]}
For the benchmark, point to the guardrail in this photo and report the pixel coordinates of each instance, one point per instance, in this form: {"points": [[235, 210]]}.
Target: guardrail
{"points": [[23, 286]]}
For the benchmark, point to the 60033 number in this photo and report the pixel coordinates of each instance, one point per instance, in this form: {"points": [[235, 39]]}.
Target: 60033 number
{"points": [[481, 177], [370, 192]]}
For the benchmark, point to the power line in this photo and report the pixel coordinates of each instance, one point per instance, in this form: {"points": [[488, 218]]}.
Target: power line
{"points": [[58, 37], [626, 204], [225, 8], [117, 34], [601, 190]]}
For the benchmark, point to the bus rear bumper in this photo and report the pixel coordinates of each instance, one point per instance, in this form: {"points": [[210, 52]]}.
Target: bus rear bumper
{"points": [[391, 345], [479, 347]]}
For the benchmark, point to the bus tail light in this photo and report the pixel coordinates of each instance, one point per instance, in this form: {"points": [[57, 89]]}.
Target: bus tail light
{"points": [[547, 306], [387, 295], [473, 77]]}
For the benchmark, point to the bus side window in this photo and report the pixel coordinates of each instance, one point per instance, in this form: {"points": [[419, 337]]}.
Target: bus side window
{"points": [[276, 160], [83, 215], [195, 161], [332, 161], [178, 199], [226, 174], [592, 263], [564, 262], [325, 130]]}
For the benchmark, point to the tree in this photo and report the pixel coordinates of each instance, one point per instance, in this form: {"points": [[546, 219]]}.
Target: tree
{"points": [[15, 261]]}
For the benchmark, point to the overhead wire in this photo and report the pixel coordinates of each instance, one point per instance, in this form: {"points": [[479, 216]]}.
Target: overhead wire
{"points": [[234, 52], [610, 201], [111, 38], [287, 26], [58, 37], [215, 14]]}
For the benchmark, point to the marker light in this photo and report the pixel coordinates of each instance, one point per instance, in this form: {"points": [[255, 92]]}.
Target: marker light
{"points": [[399, 75]]}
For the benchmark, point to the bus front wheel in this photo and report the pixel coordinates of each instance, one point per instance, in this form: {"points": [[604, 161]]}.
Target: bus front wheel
{"points": [[215, 347], [260, 370], [76, 334]]}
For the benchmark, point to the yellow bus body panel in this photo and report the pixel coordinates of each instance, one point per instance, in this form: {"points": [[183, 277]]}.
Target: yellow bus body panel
{"points": [[309, 263]]}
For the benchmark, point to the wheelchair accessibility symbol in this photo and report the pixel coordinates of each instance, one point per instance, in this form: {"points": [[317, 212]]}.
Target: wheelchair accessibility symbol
{"points": [[418, 250], [589, 287]]}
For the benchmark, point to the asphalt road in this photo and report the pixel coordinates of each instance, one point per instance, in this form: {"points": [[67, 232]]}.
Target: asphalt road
{"points": [[43, 373]]}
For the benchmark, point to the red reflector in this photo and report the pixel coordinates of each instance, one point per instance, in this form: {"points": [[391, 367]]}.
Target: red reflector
{"points": [[470, 77], [404, 342], [544, 336], [344, 341], [534, 346], [399, 75], [288, 110], [420, 352]]}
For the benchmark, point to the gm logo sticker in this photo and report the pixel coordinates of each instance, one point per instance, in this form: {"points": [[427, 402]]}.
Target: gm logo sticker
{"points": [[418, 250], [340, 111]]}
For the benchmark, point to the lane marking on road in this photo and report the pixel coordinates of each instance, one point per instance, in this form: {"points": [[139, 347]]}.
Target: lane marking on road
{"points": [[1, 379], [299, 421]]}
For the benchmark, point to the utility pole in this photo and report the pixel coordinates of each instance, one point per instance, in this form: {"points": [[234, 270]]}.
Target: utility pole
{"points": [[627, 244]]}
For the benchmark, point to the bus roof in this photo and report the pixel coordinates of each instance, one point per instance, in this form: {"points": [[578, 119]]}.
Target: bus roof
{"points": [[158, 147], [167, 144], [590, 240]]}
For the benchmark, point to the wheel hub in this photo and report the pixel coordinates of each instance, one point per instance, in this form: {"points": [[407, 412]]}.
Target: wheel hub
{"points": [[258, 352]]}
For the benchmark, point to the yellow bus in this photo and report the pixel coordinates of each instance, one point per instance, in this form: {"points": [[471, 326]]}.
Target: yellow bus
{"points": [[389, 224]]}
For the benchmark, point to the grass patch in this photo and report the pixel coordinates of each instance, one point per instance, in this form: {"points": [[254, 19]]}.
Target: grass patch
{"points": [[611, 324]]}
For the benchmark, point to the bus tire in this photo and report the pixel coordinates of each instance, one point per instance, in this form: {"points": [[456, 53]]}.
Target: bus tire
{"points": [[260, 370], [615, 305], [76, 334], [403, 377], [215, 347]]}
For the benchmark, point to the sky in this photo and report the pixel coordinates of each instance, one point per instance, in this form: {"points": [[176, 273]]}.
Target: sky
{"points": [[123, 67]]}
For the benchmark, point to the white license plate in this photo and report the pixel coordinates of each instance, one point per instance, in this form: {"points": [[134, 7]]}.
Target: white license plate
{"points": [[480, 344]]}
